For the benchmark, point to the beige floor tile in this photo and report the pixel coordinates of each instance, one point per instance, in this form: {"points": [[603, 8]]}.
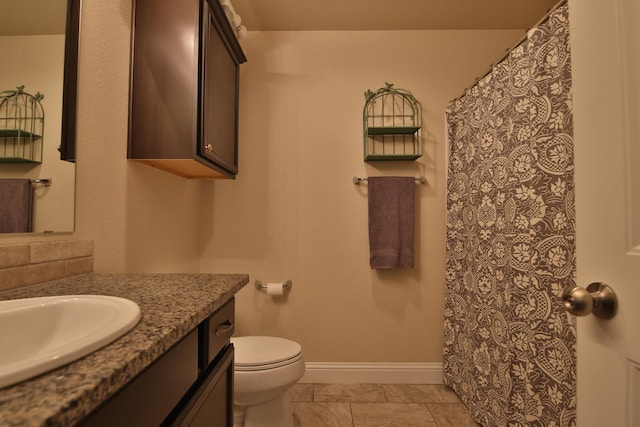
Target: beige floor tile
{"points": [[395, 393], [369, 393], [421, 393], [310, 414], [301, 393], [391, 415], [377, 405], [451, 415]]}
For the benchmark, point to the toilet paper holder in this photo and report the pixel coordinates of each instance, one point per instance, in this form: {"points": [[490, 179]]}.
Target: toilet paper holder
{"points": [[286, 285]]}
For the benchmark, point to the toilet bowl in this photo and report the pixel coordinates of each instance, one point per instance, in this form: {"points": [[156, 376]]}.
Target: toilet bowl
{"points": [[265, 368]]}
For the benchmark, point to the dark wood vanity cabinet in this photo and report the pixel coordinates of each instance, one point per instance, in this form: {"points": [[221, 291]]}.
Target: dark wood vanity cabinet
{"points": [[190, 385], [183, 115], [211, 402]]}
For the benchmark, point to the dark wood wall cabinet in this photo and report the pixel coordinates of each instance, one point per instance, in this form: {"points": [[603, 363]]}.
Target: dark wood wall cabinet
{"points": [[191, 385], [183, 112]]}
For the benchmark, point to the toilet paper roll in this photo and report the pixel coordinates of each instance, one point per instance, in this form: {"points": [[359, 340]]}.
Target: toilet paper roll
{"points": [[275, 289]]}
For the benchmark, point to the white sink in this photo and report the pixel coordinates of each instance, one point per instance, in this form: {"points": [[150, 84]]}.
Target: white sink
{"points": [[41, 334]]}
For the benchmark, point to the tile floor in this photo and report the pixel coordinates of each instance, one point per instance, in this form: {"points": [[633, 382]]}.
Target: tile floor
{"points": [[377, 405]]}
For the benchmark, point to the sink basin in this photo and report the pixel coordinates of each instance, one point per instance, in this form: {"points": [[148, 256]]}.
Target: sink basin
{"points": [[41, 334]]}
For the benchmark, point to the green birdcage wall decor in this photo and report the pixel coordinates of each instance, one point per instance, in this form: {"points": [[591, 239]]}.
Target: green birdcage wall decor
{"points": [[21, 126], [392, 120]]}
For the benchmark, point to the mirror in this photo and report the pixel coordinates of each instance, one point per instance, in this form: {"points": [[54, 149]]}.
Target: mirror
{"points": [[39, 50]]}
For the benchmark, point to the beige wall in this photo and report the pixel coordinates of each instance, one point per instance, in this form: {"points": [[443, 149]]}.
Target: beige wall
{"points": [[140, 219], [294, 213]]}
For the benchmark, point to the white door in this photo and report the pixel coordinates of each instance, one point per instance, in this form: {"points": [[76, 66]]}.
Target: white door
{"points": [[606, 69]]}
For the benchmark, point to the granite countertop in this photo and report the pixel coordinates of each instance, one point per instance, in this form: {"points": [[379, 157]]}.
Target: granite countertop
{"points": [[172, 305]]}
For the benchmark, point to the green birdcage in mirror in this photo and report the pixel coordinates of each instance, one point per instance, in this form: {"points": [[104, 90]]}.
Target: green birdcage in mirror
{"points": [[21, 126], [392, 120]]}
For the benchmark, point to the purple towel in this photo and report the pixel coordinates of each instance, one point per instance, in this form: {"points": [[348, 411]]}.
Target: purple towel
{"points": [[16, 203], [391, 219]]}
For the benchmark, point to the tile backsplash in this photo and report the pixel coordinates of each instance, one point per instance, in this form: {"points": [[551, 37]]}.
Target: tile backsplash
{"points": [[25, 264]]}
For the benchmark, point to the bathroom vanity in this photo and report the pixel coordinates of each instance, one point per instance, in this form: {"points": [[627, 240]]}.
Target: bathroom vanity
{"points": [[175, 367]]}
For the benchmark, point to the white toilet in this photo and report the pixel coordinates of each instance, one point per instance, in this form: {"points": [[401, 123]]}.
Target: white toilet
{"points": [[265, 368]]}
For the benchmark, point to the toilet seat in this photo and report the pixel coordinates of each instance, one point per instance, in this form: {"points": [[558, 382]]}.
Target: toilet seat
{"points": [[258, 353]]}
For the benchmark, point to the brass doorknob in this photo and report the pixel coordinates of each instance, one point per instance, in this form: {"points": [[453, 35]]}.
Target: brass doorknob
{"points": [[598, 299]]}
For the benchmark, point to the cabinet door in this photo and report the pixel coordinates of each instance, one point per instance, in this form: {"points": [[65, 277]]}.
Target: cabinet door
{"points": [[212, 404], [150, 397], [219, 94]]}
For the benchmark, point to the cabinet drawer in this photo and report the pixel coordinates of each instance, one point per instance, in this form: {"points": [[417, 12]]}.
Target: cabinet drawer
{"points": [[219, 329], [150, 397]]}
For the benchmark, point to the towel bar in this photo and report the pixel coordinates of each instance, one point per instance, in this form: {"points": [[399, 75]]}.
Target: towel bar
{"points": [[357, 180], [44, 181]]}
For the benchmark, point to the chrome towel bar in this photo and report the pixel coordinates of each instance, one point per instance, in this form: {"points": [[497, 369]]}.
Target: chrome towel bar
{"points": [[44, 181], [357, 180]]}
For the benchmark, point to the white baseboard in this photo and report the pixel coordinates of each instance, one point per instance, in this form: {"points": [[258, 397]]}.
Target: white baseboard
{"points": [[372, 373]]}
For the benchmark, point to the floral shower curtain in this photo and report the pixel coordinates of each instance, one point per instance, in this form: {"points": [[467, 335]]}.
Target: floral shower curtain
{"points": [[509, 345]]}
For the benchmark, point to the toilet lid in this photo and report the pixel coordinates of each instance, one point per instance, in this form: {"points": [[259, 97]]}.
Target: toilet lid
{"points": [[262, 351]]}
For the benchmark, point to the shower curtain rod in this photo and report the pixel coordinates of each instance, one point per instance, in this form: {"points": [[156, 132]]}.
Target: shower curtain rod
{"points": [[508, 51]]}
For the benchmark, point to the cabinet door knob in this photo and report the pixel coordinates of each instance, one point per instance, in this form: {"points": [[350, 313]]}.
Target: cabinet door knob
{"points": [[208, 147], [598, 299]]}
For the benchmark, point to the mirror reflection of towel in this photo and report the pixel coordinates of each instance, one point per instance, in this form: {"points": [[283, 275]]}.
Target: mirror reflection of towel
{"points": [[391, 220], [16, 204]]}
